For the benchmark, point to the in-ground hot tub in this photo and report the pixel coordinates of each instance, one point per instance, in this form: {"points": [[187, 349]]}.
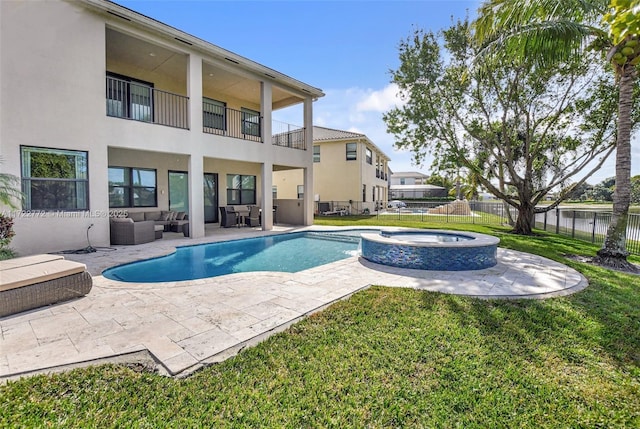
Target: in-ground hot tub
{"points": [[431, 249]]}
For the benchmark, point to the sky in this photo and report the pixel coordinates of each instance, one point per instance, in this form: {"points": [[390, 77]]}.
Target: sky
{"points": [[345, 48]]}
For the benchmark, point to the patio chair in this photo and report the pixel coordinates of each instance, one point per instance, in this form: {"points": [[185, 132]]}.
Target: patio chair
{"points": [[254, 216], [228, 217]]}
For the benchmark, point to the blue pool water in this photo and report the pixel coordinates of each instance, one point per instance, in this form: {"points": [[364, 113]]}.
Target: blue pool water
{"points": [[285, 252]]}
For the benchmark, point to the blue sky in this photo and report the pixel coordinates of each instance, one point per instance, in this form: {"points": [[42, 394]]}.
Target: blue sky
{"points": [[345, 48]]}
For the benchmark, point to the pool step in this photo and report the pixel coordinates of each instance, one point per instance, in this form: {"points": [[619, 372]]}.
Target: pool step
{"points": [[334, 237]]}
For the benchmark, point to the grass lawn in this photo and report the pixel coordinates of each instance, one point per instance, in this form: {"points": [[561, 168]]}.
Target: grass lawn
{"points": [[390, 358]]}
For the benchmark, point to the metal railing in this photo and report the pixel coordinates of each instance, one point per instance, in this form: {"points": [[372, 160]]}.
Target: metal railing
{"points": [[138, 102], [288, 135], [220, 120], [588, 225]]}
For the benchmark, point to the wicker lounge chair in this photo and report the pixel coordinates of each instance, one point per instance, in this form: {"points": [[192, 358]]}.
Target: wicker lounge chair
{"points": [[35, 281]]}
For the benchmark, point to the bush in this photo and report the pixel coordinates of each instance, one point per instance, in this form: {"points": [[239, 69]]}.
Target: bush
{"points": [[6, 232]]}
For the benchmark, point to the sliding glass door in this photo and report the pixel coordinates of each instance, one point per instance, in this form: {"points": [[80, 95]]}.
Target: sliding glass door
{"points": [[179, 191]]}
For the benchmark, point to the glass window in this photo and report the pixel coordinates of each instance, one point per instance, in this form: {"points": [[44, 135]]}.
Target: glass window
{"points": [[55, 179], [316, 153], [364, 193], [214, 114], [369, 156], [300, 191], [132, 187], [241, 189], [351, 151], [250, 122], [129, 98], [274, 192]]}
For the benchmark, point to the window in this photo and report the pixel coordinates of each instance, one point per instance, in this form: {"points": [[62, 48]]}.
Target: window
{"points": [[214, 114], [373, 194], [402, 181], [132, 187], [316, 153], [351, 151], [129, 98], [369, 156], [241, 189], [364, 193], [274, 192], [54, 179], [250, 122], [300, 191]]}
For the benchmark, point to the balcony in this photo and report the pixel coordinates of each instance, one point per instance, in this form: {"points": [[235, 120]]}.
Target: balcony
{"points": [[141, 102], [288, 135], [221, 120]]}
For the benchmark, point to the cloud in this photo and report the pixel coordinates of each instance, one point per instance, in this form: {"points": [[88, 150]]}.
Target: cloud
{"points": [[381, 101]]}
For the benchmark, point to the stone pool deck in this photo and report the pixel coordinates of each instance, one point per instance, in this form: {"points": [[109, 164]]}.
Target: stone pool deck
{"points": [[179, 327]]}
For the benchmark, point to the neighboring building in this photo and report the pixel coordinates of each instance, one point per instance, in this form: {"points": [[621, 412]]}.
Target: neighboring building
{"points": [[349, 171], [412, 184], [104, 109]]}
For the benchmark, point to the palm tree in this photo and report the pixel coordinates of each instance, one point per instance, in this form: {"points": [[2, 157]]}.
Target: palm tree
{"points": [[9, 189], [549, 32]]}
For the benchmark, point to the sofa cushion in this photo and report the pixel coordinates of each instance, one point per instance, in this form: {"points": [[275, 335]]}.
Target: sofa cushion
{"points": [[181, 215], [37, 273], [24, 261], [137, 216], [165, 216], [155, 215], [122, 220]]}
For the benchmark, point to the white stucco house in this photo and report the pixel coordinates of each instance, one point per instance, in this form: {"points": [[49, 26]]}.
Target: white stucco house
{"points": [[413, 184], [103, 109]]}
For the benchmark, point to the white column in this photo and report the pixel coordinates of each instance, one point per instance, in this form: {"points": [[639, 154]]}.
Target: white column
{"points": [[308, 172], [196, 159], [266, 169]]}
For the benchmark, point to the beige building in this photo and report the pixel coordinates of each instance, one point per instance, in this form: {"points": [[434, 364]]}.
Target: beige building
{"points": [[350, 173], [105, 110]]}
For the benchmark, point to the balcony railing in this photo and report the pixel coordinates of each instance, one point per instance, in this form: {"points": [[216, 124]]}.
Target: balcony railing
{"points": [[288, 135], [220, 120], [130, 100]]}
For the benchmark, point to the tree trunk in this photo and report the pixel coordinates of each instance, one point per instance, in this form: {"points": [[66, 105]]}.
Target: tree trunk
{"points": [[524, 222], [613, 252]]}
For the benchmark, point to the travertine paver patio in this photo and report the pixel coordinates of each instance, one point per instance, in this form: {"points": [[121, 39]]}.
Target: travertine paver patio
{"points": [[181, 326]]}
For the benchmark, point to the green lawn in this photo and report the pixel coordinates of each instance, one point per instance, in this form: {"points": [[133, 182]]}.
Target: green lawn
{"points": [[390, 358]]}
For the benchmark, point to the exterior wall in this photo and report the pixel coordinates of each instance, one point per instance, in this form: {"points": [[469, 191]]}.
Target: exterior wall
{"points": [[48, 99], [53, 71], [335, 178], [287, 183]]}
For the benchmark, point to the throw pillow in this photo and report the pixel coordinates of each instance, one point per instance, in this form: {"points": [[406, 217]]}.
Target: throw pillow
{"points": [[180, 215]]}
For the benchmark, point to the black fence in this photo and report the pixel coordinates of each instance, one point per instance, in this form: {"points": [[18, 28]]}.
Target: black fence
{"points": [[586, 225]]}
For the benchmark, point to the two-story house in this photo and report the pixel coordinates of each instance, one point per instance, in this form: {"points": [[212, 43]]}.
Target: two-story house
{"points": [[104, 110], [349, 172]]}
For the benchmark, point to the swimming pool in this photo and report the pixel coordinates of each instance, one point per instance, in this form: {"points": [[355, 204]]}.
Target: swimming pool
{"points": [[289, 253]]}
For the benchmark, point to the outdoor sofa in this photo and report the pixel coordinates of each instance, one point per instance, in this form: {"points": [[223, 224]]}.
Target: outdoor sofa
{"points": [[35, 281], [145, 227]]}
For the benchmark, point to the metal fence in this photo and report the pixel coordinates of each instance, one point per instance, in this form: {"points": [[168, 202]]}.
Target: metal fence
{"points": [[586, 225]]}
